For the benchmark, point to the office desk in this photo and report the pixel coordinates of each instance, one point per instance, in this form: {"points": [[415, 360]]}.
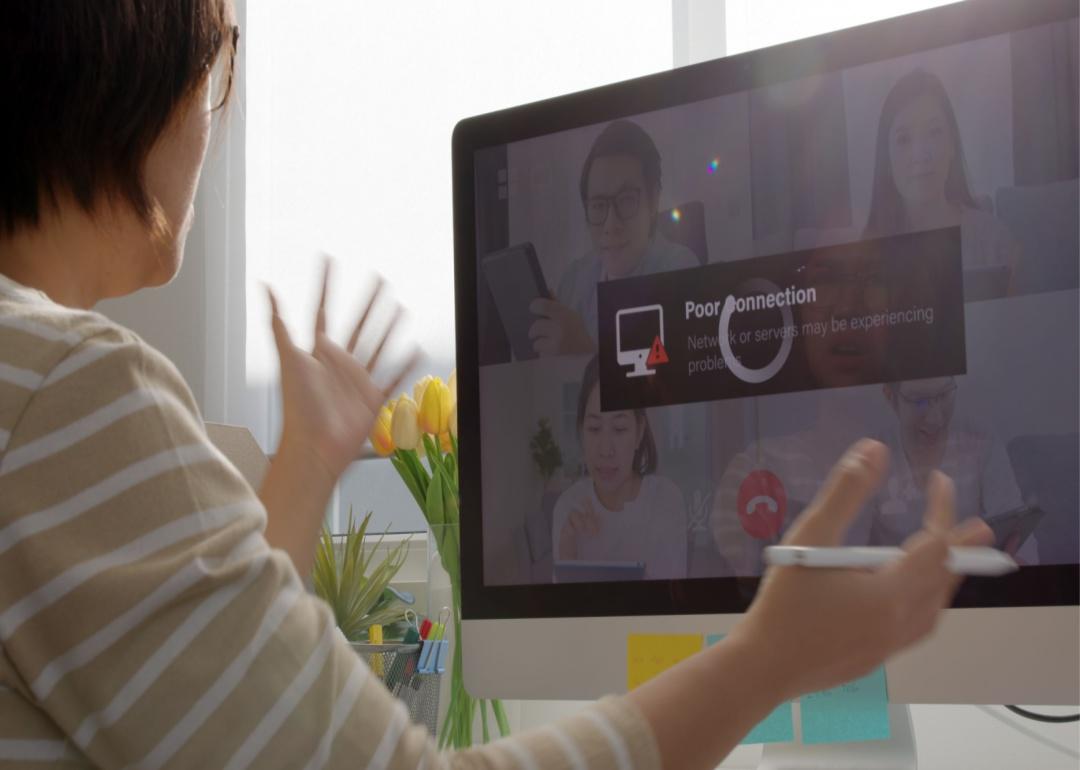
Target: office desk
{"points": [[947, 737]]}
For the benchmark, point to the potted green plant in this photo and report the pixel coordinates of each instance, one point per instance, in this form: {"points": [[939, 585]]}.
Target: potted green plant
{"points": [[546, 455], [355, 587]]}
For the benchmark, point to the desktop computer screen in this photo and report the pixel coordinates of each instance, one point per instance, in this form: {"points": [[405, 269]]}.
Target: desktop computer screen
{"points": [[884, 243]]}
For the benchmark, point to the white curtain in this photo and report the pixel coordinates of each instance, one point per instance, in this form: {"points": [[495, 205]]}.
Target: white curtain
{"points": [[348, 123]]}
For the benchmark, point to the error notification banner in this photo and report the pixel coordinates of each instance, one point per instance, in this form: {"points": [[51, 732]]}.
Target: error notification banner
{"points": [[882, 310]]}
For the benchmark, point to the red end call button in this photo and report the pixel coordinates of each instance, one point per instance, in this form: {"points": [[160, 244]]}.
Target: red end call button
{"points": [[762, 503]]}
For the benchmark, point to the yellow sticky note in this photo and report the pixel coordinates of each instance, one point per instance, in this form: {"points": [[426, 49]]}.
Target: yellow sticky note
{"points": [[650, 654]]}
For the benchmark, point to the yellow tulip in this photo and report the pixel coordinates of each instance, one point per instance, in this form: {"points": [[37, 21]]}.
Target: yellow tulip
{"points": [[451, 423], [452, 384], [435, 407], [381, 439], [444, 442], [404, 428], [419, 388]]}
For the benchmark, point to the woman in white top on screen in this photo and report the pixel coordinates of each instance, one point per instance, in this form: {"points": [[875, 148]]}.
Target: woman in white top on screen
{"points": [[620, 511], [920, 181], [620, 194]]}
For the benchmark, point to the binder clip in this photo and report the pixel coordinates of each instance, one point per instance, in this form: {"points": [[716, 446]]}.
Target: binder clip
{"points": [[434, 648]]}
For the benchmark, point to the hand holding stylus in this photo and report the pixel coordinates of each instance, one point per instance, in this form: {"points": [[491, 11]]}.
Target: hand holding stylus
{"points": [[810, 630], [825, 627]]}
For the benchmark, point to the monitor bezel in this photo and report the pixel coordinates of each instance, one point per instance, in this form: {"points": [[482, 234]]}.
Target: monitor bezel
{"points": [[1051, 585]]}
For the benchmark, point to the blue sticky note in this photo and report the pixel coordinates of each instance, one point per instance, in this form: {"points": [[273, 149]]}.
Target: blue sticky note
{"points": [[856, 711], [778, 727]]}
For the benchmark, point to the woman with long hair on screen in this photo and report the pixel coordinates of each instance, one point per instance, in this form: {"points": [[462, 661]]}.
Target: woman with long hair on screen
{"points": [[152, 610], [621, 511], [920, 175]]}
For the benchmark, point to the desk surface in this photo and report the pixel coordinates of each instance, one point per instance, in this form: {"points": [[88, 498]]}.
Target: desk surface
{"points": [[946, 737], [983, 737]]}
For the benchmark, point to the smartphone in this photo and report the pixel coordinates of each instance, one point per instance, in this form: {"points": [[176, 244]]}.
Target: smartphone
{"points": [[515, 279], [1014, 525]]}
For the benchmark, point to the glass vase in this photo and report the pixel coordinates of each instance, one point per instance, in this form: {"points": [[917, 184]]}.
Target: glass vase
{"points": [[463, 719]]}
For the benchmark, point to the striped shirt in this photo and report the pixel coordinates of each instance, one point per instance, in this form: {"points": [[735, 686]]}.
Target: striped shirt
{"points": [[145, 622]]}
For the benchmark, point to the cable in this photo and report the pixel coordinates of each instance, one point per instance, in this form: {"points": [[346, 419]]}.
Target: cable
{"points": [[1029, 732], [1044, 717]]}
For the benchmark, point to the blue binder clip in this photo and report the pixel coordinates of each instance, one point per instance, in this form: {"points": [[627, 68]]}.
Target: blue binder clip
{"points": [[427, 656], [440, 658], [433, 652]]}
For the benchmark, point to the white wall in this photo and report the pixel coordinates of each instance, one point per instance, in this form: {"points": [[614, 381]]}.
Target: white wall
{"points": [[173, 318]]}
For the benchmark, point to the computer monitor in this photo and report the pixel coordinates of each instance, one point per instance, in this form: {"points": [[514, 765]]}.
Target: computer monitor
{"points": [[891, 213], [639, 339]]}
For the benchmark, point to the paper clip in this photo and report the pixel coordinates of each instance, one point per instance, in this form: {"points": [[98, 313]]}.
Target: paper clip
{"points": [[404, 664]]}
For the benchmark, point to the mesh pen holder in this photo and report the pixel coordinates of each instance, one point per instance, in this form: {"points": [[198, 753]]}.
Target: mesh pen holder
{"points": [[411, 672]]}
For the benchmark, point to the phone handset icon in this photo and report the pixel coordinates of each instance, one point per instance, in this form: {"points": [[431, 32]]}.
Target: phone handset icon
{"points": [[768, 502], [762, 503]]}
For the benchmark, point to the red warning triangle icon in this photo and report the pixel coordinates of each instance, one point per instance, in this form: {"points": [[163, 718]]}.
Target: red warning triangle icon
{"points": [[657, 355]]}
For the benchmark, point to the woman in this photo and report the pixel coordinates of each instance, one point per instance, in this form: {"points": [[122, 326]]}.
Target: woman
{"points": [[620, 511], [146, 617], [920, 181]]}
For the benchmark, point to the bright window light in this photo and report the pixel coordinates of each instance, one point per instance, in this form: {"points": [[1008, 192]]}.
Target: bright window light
{"points": [[760, 23]]}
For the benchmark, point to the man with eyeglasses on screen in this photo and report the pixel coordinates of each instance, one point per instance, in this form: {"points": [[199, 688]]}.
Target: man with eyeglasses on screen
{"points": [[929, 436], [620, 193]]}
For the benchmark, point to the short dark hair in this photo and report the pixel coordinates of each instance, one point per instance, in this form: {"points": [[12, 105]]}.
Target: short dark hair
{"points": [[624, 137], [645, 454], [92, 85]]}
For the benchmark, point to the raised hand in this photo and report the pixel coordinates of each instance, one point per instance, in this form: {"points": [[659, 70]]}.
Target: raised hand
{"points": [[330, 398], [330, 401], [558, 329]]}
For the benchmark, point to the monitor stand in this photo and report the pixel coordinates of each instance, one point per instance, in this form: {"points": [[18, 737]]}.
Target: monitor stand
{"points": [[641, 368], [897, 753]]}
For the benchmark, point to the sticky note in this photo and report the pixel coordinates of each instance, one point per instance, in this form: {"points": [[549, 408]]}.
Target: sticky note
{"points": [[856, 711], [650, 654], [777, 727]]}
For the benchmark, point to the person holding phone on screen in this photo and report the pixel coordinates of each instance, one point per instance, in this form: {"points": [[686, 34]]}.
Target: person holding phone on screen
{"points": [[621, 510], [928, 436], [620, 196]]}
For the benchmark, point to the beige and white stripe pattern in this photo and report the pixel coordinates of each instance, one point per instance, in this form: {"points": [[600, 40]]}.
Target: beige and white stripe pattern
{"points": [[144, 622]]}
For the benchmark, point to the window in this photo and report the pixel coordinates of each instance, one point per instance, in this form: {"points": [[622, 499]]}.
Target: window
{"points": [[759, 23], [350, 109]]}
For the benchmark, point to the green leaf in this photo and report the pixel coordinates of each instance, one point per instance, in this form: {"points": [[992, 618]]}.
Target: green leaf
{"points": [[449, 483], [433, 452], [410, 480], [434, 507], [500, 717]]}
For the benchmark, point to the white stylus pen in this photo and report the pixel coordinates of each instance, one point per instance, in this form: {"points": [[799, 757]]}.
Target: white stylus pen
{"points": [[963, 560]]}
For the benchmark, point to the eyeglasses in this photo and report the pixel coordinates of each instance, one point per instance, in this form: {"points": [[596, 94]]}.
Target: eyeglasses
{"points": [[923, 404], [625, 202], [829, 286]]}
